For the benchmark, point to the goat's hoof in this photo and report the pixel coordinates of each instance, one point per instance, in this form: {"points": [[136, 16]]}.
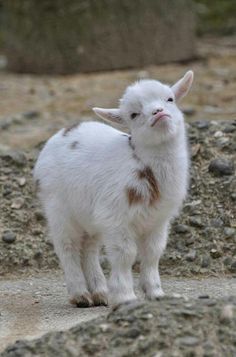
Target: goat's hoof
{"points": [[82, 300], [100, 299]]}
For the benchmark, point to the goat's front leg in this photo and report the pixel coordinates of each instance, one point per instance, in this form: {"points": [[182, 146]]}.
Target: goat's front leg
{"points": [[150, 251], [121, 251]]}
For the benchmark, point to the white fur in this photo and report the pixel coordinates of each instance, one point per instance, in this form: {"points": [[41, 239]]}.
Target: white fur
{"points": [[83, 177]]}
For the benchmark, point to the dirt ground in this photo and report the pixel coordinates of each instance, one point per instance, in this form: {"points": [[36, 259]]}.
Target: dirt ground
{"points": [[33, 306], [202, 240], [59, 101]]}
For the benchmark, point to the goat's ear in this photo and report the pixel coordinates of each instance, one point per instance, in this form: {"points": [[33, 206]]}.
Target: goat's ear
{"points": [[112, 115], [182, 87]]}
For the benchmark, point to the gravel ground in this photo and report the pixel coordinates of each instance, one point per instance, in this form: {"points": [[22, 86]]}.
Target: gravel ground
{"points": [[169, 327], [33, 306], [202, 239]]}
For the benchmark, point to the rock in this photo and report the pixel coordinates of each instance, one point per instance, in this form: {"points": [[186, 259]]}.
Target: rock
{"points": [[196, 221], [215, 253], [227, 261], [189, 241], [9, 237], [205, 261], [233, 267], [189, 341], [22, 181], [191, 256], [18, 203], [222, 142], [5, 123], [220, 167], [181, 228], [233, 196], [227, 313], [195, 149], [217, 222], [229, 129], [16, 157], [176, 327], [218, 134], [39, 215], [201, 124], [189, 111], [7, 190], [229, 232], [36, 231], [38, 255], [31, 114]]}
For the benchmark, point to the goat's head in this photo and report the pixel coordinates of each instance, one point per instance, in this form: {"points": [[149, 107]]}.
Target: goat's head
{"points": [[149, 109]]}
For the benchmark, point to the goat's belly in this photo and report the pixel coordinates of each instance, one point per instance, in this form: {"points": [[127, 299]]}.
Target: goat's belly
{"points": [[143, 221]]}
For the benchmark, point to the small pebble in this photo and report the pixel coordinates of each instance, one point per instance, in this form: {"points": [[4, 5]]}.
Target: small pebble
{"points": [[221, 167], [218, 134], [204, 296], [39, 215], [9, 237], [196, 222], [217, 222], [189, 341], [227, 261], [16, 157], [233, 267], [181, 228], [229, 232], [215, 253], [18, 203], [206, 261], [189, 111], [227, 313], [36, 231], [191, 256], [229, 129], [201, 124], [31, 114], [21, 181]]}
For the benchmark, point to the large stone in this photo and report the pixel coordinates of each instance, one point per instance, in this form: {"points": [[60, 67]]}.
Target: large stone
{"points": [[78, 35]]}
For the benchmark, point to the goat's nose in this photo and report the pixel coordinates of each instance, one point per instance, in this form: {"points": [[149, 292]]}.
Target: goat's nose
{"points": [[158, 110]]}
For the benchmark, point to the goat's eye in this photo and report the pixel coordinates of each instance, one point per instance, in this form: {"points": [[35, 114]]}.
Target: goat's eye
{"points": [[134, 115], [170, 99]]}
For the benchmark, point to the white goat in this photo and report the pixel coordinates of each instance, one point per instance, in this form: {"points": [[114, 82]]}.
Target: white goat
{"points": [[100, 186]]}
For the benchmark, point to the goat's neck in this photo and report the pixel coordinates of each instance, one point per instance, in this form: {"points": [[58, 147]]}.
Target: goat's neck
{"points": [[154, 155]]}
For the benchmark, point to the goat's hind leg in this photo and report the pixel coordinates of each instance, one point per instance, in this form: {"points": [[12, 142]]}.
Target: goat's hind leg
{"points": [[67, 242], [92, 270]]}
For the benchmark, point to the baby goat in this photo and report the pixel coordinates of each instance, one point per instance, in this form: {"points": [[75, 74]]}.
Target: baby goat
{"points": [[100, 186]]}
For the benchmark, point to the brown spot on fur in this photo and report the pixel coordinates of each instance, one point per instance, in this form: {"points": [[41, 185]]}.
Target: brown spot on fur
{"points": [[74, 145], [70, 128], [148, 175], [134, 196]]}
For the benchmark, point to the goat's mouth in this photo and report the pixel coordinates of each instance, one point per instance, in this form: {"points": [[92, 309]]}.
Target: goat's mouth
{"points": [[159, 117]]}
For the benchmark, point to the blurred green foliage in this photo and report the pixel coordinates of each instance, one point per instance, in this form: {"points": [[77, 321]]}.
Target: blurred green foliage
{"points": [[216, 17]]}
